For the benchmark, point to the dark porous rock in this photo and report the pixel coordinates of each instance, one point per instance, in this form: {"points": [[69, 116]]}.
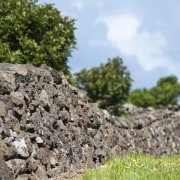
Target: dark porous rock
{"points": [[48, 126]]}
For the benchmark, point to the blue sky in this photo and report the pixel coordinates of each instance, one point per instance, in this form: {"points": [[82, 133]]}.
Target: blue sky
{"points": [[145, 34]]}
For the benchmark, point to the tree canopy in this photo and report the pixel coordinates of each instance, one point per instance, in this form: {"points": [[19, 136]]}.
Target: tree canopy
{"points": [[35, 34], [109, 84], [164, 93], [142, 98]]}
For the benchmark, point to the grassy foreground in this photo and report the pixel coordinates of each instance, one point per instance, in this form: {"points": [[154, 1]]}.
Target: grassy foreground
{"points": [[137, 167]]}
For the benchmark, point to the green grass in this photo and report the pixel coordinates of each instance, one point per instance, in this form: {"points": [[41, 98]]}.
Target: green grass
{"points": [[137, 167]]}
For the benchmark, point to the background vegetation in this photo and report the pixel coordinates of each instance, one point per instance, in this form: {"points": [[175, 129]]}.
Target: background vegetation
{"points": [[109, 84], [35, 34], [164, 93]]}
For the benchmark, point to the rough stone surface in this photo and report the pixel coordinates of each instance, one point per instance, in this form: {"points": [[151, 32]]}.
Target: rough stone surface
{"points": [[48, 127], [2, 109], [5, 171]]}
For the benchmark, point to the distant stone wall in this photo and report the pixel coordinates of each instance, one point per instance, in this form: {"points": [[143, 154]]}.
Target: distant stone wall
{"points": [[150, 131], [47, 126]]}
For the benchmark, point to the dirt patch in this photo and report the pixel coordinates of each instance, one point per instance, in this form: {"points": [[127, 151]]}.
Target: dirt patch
{"points": [[75, 174]]}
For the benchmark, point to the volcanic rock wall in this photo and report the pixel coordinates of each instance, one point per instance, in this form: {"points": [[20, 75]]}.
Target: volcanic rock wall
{"points": [[47, 126]]}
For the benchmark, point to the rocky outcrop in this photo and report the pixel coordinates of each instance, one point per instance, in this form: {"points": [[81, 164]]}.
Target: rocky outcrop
{"points": [[47, 126]]}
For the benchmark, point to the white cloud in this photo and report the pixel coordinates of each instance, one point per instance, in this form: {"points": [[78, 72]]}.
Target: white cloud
{"points": [[125, 33]]}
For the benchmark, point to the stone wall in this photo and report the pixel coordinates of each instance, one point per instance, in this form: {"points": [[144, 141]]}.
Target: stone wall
{"points": [[47, 126]]}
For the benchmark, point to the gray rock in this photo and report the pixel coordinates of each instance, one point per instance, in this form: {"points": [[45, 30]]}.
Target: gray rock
{"points": [[44, 99], [2, 109], [21, 147], [17, 166], [39, 140], [5, 172], [17, 98]]}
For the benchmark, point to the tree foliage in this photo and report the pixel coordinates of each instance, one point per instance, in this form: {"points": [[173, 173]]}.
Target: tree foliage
{"points": [[109, 84], [164, 93], [142, 98], [35, 34]]}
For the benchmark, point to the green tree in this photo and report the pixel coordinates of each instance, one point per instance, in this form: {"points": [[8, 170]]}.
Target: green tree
{"points": [[35, 34], [172, 80], [109, 84], [142, 98], [164, 93], [167, 91]]}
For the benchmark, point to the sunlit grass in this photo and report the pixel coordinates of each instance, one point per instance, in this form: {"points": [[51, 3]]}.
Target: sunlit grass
{"points": [[137, 167]]}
